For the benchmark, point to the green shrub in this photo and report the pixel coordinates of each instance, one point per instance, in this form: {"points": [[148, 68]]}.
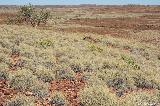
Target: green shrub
{"points": [[95, 48], [30, 15], [45, 43], [20, 100], [40, 17], [97, 95], [130, 61], [27, 10]]}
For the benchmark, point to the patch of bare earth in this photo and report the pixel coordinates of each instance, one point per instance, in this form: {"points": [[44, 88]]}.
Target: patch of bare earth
{"points": [[5, 16], [70, 88], [5, 92]]}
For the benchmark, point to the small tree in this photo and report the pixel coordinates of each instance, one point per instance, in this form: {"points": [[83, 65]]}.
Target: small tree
{"points": [[28, 14], [40, 17]]}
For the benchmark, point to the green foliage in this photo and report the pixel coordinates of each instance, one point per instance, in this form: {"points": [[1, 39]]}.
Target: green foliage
{"points": [[30, 15], [130, 61], [95, 48], [45, 43], [27, 11], [40, 17]]}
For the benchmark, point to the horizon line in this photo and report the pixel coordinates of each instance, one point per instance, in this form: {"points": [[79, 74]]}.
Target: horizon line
{"points": [[80, 4]]}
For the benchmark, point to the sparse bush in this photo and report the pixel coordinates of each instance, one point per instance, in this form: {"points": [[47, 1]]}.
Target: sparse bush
{"points": [[127, 47], [5, 44], [97, 95], [15, 51], [3, 75], [76, 68], [58, 99], [95, 48], [106, 65], [22, 80], [65, 74], [116, 83], [4, 67], [30, 15], [39, 17], [88, 68], [26, 12], [45, 43], [40, 90], [27, 55], [130, 61], [141, 99], [90, 39], [141, 82], [49, 65], [20, 100], [119, 84], [14, 20], [44, 74]]}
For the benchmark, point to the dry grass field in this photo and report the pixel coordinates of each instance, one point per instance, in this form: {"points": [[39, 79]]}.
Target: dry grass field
{"points": [[83, 56]]}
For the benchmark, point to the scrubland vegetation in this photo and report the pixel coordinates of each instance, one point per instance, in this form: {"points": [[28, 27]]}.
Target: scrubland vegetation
{"points": [[81, 56]]}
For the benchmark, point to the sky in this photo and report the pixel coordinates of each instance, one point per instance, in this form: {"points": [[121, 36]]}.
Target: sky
{"points": [[76, 2]]}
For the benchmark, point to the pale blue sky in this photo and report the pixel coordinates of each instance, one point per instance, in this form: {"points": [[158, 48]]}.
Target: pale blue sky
{"points": [[72, 2]]}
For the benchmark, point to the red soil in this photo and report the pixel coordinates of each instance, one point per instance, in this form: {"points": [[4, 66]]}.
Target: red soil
{"points": [[5, 16], [5, 92], [70, 88]]}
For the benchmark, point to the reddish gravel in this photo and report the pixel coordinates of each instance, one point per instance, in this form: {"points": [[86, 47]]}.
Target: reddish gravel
{"points": [[5, 92], [70, 88]]}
